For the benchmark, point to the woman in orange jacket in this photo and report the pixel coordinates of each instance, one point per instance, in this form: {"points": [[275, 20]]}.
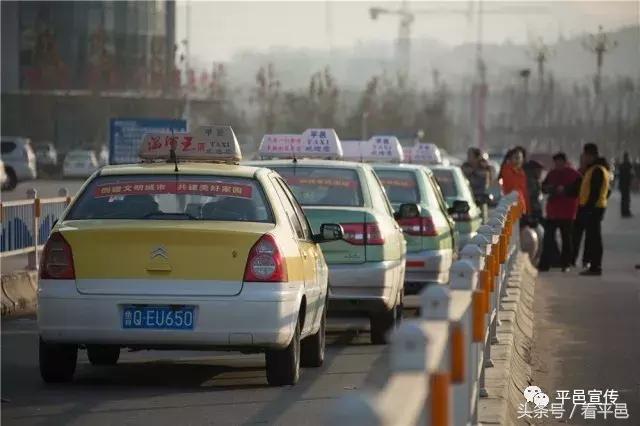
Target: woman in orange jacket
{"points": [[513, 176]]}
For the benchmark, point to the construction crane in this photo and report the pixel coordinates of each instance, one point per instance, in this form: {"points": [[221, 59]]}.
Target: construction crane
{"points": [[403, 46]]}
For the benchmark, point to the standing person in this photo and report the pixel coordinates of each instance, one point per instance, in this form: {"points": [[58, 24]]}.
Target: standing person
{"points": [[478, 172], [578, 226], [514, 178], [561, 184], [533, 170], [625, 175], [593, 197]]}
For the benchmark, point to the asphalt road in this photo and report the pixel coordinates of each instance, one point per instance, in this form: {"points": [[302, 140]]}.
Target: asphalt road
{"points": [[587, 333], [180, 388], [45, 188]]}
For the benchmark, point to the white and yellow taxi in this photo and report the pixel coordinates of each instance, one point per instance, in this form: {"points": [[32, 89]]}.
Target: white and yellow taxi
{"points": [[184, 254]]}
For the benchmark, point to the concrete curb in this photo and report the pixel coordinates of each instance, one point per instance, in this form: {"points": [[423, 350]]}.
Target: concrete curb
{"points": [[511, 373], [19, 292]]}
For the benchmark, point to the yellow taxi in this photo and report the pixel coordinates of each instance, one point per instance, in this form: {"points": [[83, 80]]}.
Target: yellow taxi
{"points": [[198, 252]]}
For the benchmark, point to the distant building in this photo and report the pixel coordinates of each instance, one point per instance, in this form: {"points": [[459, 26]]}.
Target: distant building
{"points": [[97, 45]]}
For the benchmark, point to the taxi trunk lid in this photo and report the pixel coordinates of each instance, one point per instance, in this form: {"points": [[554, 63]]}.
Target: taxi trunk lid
{"points": [[339, 252], [183, 258]]}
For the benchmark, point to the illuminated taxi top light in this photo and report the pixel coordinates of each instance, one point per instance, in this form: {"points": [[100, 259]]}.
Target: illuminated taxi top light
{"points": [[423, 153], [313, 143], [207, 143], [380, 149]]}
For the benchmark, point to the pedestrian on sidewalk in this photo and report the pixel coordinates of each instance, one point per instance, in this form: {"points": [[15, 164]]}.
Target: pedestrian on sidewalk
{"points": [[593, 198], [561, 184], [625, 175], [513, 176], [478, 171]]}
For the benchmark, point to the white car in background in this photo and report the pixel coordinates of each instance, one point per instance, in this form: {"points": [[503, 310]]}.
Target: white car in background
{"points": [[46, 154], [19, 160], [3, 174], [79, 163]]}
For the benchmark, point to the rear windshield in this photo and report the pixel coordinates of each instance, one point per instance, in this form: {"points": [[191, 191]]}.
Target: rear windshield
{"points": [[158, 197], [323, 186], [401, 186], [447, 182]]}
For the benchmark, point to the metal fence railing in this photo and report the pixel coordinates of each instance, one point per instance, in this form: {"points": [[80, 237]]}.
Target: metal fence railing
{"points": [[26, 224], [437, 362]]}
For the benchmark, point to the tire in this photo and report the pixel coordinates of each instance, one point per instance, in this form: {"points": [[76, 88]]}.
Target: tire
{"points": [[103, 354], [381, 323], [12, 180], [283, 365], [312, 348], [57, 361]]}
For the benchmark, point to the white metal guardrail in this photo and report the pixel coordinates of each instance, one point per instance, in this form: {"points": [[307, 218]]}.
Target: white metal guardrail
{"points": [[437, 362], [26, 224]]}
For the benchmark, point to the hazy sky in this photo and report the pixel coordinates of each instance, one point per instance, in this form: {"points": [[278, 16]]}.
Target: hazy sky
{"points": [[219, 29]]}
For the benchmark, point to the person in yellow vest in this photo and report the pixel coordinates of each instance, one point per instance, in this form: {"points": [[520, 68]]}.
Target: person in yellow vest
{"points": [[592, 201]]}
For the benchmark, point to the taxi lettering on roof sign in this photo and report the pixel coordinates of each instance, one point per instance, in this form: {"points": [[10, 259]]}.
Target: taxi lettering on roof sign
{"points": [[321, 143], [378, 148], [426, 153], [207, 143], [280, 144], [313, 143]]}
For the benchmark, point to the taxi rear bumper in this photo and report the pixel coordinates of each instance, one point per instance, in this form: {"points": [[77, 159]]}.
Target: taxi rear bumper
{"points": [[428, 266], [369, 286], [263, 315]]}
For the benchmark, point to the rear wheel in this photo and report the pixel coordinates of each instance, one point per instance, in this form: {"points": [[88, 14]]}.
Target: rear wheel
{"points": [[103, 354], [57, 361], [383, 322], [312, 349], [12, 180], [283, 365]]}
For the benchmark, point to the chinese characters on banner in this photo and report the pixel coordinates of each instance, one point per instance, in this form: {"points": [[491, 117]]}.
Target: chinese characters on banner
{"points": [[344, 183], [282, 143], [162, 187], [400, 183], [592, 404]]}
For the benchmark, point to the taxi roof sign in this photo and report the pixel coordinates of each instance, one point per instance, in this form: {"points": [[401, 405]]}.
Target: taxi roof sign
{"points": [[380, 148], [424, 153], [207, 143], [280, 145], [313, 143]]}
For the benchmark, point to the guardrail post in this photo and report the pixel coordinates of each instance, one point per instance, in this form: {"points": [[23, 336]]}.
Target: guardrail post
{"points": [[464, 276], [434, 303], [33, 257], [64, 192]]}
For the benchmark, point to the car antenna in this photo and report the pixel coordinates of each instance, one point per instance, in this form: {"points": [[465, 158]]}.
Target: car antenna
{"points": [[172, 152]]}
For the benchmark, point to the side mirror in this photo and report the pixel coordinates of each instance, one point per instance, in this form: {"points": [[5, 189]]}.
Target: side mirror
{"points": [[329, 232], [407, 211], [459, 207]]}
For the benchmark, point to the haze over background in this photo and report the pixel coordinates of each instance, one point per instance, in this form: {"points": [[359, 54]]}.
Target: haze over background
{"points": [[301, 37]]}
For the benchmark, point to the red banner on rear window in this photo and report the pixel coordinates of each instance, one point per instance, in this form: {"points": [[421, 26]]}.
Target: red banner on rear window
{"points": [[343, 183], [160, 187], [403, 183]]}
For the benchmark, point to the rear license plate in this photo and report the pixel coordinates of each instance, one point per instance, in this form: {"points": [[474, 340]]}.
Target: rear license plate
{"points": [[158, 317]]}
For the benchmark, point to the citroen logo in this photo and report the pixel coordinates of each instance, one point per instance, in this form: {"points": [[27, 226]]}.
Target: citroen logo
{"points": [[159, 252]]}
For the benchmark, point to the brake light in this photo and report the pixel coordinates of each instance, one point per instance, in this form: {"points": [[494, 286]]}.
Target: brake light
{"points": [[418, 226], [362, 234], [265, 262], [57, 259]]}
